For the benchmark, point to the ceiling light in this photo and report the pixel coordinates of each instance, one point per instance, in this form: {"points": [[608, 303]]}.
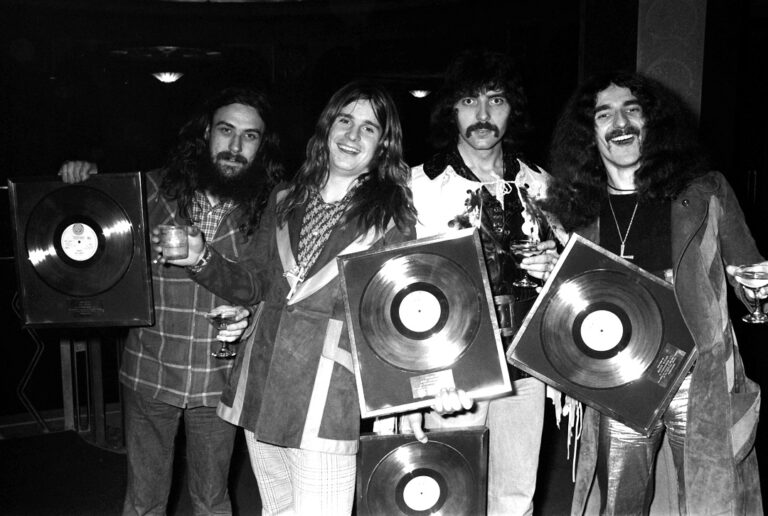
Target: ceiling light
{"points": [[419, 94], [167, 77]]}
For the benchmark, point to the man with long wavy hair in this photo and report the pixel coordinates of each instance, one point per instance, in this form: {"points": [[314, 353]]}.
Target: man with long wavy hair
{"points": [[479, 179], [293, 387], [217, 179], [631, 176]]}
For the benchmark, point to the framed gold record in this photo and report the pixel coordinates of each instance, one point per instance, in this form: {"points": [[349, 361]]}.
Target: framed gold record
{"points": [[420, 312], [79, 241], [447, 476], [615, 329], [81, 251], [608, 334], [421, 318]]}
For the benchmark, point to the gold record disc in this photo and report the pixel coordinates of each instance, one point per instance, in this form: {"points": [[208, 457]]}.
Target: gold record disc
{"points": [[420, 312], [601, 329], [79, 241], [421, 479]]}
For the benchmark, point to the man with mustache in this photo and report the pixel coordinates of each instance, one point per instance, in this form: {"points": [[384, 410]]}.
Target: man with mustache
{"points": [[630, 175], [217, 181], [479, 180]]}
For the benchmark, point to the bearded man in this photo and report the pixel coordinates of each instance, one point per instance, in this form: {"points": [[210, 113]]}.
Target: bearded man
{"points": [[218, 179]]}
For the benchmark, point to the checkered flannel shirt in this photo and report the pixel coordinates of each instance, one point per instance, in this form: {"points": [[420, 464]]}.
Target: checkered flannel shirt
{"points": [[171, 361]]}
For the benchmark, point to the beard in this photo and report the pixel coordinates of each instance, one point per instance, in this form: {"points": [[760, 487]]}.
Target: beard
{"points": [[239, 184]]}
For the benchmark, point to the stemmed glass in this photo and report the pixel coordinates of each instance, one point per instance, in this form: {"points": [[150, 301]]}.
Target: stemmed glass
{"points": [[220, 321], [524, 248], [753, 278]]}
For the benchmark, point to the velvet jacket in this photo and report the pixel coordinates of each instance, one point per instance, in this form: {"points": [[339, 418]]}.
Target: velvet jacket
{"points": [[721, 477], [293, 382]]}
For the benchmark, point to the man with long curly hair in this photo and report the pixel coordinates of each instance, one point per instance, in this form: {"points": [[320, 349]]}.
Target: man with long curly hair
{"points": [[293, 388], [631, 176], [217, 179], [479, 179]]}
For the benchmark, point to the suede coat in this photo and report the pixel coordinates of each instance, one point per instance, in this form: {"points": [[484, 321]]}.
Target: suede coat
{"points": [[293, 382], [721, 476]]}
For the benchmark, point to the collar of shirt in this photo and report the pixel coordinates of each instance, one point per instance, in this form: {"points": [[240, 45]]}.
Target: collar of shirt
{"points": [[208, 217]]}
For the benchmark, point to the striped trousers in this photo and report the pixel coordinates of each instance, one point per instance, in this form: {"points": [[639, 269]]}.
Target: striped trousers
{"points": [[296, 482]]}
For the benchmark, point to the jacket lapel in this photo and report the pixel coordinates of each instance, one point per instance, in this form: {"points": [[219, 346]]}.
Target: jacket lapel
{"points": [[321, 276], [685, 225], [342, 240], [341, 236]]}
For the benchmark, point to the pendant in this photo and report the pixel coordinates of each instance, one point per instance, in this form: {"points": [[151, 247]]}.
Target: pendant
{"points": [[295, 277], [627, 256]]}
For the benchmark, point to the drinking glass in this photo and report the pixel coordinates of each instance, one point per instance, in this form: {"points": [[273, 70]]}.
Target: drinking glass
{"points": [[753, 278], [524, 248], [174, 241], [220, 321]]}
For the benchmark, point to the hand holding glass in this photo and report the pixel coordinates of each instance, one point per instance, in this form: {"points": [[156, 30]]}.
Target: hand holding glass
{"points": [[220, 321], [753, 278], [174, 241], [524, 248]]}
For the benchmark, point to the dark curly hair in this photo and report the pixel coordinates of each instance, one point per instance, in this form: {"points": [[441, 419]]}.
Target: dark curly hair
{"points": [[470, 73], [382, 194], [671, 154], [181, 177]]}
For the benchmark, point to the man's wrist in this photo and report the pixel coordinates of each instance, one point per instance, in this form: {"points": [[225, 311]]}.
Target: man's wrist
{"points": [[202, 261]]}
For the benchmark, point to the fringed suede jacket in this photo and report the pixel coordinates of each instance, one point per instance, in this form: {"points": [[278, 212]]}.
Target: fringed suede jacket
{"points": [[721, 476]]}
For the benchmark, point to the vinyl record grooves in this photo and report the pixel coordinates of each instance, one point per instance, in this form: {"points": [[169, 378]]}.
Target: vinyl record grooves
{"points": [[420, 312], [421, 479], [79, 241], [601, 329]]}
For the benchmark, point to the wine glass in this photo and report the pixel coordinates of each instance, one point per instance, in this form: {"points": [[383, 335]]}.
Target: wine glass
{"points": [[753, 278], [524, 248], [220, 321]]}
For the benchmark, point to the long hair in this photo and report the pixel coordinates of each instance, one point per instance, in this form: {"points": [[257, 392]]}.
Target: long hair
{"points": [[181, 177], [671, 155], [470, 73], [382, 194]]}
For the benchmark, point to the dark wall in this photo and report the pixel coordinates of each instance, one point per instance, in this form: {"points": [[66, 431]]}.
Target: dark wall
{"points": [[68, 95]]}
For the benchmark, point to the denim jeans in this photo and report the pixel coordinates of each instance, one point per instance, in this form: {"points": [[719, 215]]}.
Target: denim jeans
{"points": [[515, 423], [150, 431]]}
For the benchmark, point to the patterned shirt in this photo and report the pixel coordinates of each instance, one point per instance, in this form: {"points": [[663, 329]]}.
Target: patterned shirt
{"points": [[171, 361], [448, 196], [319, 220], [208, 217]]}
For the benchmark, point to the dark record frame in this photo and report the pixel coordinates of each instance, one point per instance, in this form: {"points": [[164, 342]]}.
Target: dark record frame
{"points": [[81, 251]]}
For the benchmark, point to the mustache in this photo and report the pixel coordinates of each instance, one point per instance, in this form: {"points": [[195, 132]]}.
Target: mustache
{"points": [[482, 125], [629, 130], [231, 156]]}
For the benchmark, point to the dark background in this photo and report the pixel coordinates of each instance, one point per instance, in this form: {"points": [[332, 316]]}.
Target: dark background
{"points": [[75, 84]]}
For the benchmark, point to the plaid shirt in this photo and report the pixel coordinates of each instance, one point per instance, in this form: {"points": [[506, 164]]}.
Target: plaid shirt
{"points": [[171, 361]]}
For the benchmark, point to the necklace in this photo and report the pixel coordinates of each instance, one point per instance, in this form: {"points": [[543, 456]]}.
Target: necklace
{"points": [[622, 189], [618, 229]]}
